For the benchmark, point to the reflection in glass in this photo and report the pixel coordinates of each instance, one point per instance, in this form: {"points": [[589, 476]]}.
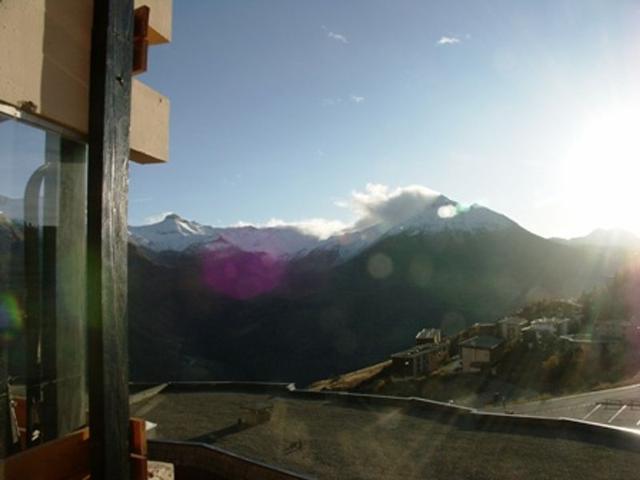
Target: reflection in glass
{"points": [[42, 280]]}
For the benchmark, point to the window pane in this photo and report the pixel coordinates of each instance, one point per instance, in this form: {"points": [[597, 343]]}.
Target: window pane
{"points": [[42, 277]]}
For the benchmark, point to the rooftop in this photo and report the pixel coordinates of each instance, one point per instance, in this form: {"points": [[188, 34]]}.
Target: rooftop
{"points": [[482, 341], [550, 320], [417, 350], [327, 439], [513, 320], [428, 333], [584, 338]]}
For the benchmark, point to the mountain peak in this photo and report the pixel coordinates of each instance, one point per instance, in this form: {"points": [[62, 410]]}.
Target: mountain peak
{"points": [[172, 216], [445, 214]]}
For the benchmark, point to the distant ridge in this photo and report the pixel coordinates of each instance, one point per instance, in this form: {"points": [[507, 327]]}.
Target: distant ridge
{"points": [[603, 237], [178, 234]]}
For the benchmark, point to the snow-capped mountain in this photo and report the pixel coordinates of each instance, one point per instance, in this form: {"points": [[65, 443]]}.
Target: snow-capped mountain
{"points": [[172, 233], [447, 215], [178, 234], [11, 207]]}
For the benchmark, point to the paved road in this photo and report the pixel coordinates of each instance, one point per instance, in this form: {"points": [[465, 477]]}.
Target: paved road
{"points": [[617, 406]]}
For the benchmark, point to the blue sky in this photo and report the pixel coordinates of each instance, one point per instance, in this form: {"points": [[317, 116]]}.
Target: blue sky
{"points": [[282, 109]]}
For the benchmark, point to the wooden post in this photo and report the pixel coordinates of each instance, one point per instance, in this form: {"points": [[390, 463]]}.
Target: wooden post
{"points": [[71, 328], [109, 118]]}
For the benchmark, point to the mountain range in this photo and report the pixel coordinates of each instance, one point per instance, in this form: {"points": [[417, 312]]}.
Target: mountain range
{"points": [[177, 234], [277, 303]]}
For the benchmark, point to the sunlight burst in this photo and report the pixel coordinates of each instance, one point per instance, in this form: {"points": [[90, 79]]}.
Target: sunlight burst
{"points": [[601, 174]]}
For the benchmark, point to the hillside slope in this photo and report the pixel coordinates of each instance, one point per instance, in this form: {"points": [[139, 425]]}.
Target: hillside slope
{"points": [[323, 321]]}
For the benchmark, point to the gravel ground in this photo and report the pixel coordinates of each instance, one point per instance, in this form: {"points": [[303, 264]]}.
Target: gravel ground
{"points": [[328, 440]]}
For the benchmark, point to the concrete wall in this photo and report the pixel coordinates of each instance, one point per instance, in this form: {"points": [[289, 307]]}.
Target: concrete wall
{"points": [[200, 461], [45, 69], [462, 417]]}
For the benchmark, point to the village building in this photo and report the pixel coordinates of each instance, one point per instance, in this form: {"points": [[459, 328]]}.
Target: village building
{"points": [[542, 328], [419, 360], [429, 336], [480, 329], [510, 328], [480, 352], [477, 329]]}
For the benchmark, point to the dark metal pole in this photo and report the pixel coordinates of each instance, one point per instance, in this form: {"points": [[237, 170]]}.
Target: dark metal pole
{"points": [[109, 118]]}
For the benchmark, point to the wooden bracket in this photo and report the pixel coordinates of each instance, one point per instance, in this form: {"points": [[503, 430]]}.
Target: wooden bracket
{"points": [[140, 39]]}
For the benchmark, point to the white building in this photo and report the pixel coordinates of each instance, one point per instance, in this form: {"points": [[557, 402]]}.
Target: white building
{"points": [[429, 335], [553, 325], [510, 328]]}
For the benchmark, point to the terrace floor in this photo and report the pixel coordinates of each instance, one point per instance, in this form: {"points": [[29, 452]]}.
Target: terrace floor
{"points": [[329, 440]]}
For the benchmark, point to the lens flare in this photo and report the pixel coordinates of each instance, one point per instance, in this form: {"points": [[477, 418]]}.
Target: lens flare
{"points": [[447, 211], [242, 275], [380, 266], [10, 316], [451, 210]]}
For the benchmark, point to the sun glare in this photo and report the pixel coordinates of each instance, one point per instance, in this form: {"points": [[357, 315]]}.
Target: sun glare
{"points": [[601, 173]]}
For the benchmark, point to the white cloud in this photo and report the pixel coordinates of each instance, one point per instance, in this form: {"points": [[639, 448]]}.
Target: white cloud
{"points": [[376, 205], [319, 227], [331, 102], [158, 217], [444, 40], [338, 37], [379, 204]]}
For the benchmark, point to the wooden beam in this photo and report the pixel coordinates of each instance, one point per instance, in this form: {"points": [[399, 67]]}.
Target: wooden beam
{"points": [[109, 119], [140, 39], [71, 328]]}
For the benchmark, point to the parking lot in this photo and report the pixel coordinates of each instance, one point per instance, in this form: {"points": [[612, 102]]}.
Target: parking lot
{"points": [[618, 406]]}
